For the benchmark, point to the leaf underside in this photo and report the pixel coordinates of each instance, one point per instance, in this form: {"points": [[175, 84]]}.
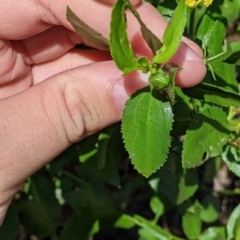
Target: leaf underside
{"points": [[85, 31]]}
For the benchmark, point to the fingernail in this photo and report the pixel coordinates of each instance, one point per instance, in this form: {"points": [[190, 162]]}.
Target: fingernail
{"points": [[127, 85]]}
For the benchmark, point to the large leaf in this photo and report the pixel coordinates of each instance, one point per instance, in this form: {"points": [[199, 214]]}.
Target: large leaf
{"points": [[121, 50], [147, 121], [173, 34], [86, 31], [153, 42], [234, 57], [205, 137], [213, 94], [214, 47]]}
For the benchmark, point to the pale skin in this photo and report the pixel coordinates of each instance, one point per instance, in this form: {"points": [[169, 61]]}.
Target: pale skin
{"points": [[53, 95]]}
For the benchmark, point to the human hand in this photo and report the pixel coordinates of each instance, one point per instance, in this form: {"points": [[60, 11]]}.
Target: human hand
{"points": [[53, 95]]}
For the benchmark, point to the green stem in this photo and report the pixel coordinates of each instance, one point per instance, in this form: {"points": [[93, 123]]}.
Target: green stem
{"points": [[235, 191], [192, 24], [75, 178]]}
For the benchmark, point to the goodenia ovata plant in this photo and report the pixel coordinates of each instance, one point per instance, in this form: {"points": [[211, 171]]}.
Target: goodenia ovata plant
{"points": [[148, 116]]}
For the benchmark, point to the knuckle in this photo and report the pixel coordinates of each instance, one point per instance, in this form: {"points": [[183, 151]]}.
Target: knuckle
{"points": [[83, 113]]}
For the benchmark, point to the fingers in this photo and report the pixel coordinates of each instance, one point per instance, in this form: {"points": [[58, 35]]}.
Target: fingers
{"points": [[49, 13], [41, 122], [72, 59], [37, 73], [50, 44]]}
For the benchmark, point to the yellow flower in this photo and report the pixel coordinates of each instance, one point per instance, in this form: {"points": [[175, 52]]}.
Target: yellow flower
{"points": [[194, 3], [207, 2]]}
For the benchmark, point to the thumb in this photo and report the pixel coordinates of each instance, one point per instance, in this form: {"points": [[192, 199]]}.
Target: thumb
{"points": [[44, 120]]}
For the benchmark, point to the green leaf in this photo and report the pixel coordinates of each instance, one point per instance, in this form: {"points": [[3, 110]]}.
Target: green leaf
{"points": [[37, 220], [152, 231], [211, 208], [187, 185], [225, 76], [182, 182], [226, 53], [157, 206], [125, 222], [231, 159], [10, 228], [79, 225], [153, 42], [173, 34], [120, 48], [213, 94], [109, 173], [214, 233], [191, 221], [234, 57], [233, 223], [203, 31], [214, 47], [148, 141], [159, 80], [206, 136], [86, 31]]}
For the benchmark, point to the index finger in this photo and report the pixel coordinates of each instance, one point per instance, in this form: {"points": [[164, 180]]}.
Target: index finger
{"points": [[23, 19], [44, 14]]}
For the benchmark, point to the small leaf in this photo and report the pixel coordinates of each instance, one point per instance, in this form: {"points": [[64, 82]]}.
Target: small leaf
{"points": [[153, 42], [214, 233], [146, 125], [191, 221], [159, 80], [187, 185], [148, 230], [157, 206], [86, 31], [211, 208], [173, 34], [232, 223], [214, 94], [231, 159], [212, 121], [121, 50], [125, 222]]}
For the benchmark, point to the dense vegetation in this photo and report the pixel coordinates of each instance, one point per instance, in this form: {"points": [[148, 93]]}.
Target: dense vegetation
{"points": [[92, 190]]}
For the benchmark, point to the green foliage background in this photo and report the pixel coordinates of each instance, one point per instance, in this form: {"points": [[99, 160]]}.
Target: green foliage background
{"points": [[91, 191]]}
